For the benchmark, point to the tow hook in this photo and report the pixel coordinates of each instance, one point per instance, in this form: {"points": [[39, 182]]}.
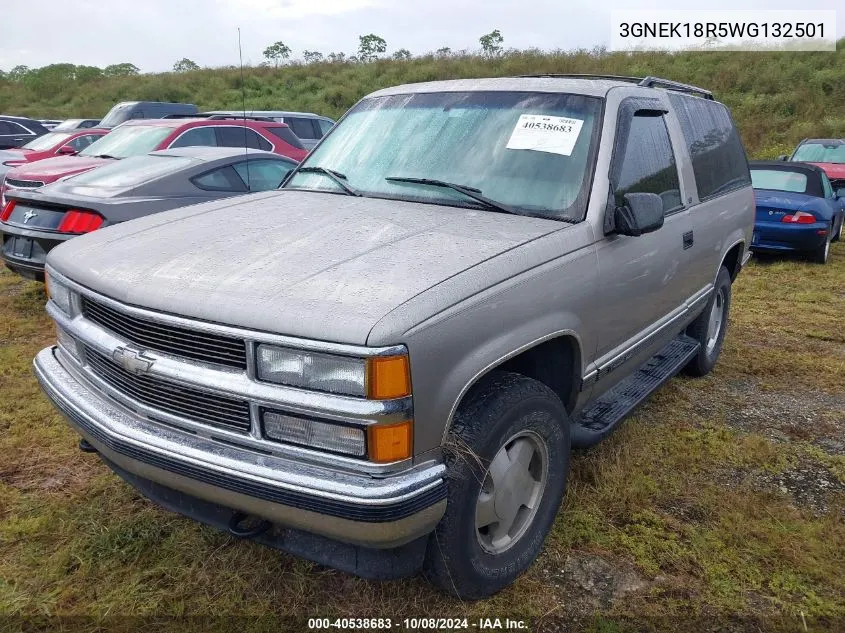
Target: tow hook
{"points": [[86, 447], [240, 531]]}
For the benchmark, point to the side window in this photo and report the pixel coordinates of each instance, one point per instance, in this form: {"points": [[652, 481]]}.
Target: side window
{"points": [[198, 136], [287, 136], [648, 163], [220, 179], [12, 128], [303, 128], [81, 142], [325, 126], [263, 175], [718, 158], [826, 186], [236, 136]]}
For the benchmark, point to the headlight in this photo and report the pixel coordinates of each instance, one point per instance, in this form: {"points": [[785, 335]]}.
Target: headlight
{"points": [[333, 437], [379, 378], [58, 293], [67, 343]]}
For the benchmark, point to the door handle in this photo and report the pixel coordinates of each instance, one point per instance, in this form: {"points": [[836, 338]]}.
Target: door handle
{"points": [[688, 240]]}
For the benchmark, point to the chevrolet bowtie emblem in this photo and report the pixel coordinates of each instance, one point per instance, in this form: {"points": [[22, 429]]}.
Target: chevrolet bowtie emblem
{"points": [[28, 216], [132, 360]]}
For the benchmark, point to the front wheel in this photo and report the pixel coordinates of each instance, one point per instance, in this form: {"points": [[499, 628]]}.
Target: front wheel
{"points": [[508, 461], [710, 327]]}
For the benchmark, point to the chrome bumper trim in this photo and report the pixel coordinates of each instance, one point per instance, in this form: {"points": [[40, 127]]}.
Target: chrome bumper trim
{"points": [[377, 512]]}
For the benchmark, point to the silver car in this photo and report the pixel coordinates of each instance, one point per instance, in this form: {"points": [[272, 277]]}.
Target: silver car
{"points": [[384, 366]]}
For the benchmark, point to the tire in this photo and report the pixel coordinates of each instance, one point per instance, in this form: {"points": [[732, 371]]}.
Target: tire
{"points": [[838, 235], [822, 253], [506, 409], [711, 346]]}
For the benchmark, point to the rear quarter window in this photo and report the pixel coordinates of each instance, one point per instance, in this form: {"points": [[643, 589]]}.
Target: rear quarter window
{"points": [[718, 159]]}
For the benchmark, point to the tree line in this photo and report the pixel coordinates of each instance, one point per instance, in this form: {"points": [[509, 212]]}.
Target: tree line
{"points": [[370, 48]]}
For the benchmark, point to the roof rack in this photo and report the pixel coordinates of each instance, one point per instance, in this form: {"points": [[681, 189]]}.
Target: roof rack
{"points": [[219, 117], [646, 82], [651, 82]]}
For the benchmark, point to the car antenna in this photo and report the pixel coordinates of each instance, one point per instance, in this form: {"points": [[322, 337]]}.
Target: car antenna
{"points": [[243, 99]]}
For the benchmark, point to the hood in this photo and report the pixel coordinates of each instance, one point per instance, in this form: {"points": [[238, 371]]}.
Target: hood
{"points": [[13, 154], [307, 264], [834, 171], [51, 169]]}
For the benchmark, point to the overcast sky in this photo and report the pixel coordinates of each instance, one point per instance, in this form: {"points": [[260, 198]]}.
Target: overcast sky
{"points": [[153, 34]]}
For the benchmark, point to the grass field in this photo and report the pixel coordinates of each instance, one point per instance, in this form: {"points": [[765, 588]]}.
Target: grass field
{"points": [[719, 506]]}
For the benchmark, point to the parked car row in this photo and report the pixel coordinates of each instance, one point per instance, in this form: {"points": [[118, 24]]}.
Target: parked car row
{"points": [[133, 129]]}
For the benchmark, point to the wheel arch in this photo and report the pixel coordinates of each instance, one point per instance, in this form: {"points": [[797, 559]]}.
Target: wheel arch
{"points": [[733, 259], [554, 360]]}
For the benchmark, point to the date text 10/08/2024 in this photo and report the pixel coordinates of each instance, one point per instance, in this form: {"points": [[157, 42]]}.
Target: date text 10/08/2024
{"points": [[414, 624]]}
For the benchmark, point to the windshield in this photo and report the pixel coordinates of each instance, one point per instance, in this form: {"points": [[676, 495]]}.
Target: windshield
{"points": [[128, 141], [48, 141], [68, 124], [117, 115], [821, 153], [527, 151], [779, 180], [132, 172]]}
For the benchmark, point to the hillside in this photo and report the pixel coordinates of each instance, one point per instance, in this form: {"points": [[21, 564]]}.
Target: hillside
{"points": [[776, 98]]}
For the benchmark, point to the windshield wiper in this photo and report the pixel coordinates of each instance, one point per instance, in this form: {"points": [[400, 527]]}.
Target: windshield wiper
{"points": [[106, 156], [469, 192], [338, 178]]}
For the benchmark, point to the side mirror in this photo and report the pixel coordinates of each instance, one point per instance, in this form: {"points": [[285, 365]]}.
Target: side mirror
{"points": [[66, 150], [641, 213], [783, 157]]}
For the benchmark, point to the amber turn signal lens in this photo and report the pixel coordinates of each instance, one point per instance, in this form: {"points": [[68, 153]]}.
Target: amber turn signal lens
{"points": [[390, 442], [388, 377]]}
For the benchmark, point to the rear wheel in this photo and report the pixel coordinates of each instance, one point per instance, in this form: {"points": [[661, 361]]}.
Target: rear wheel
{"points": [[506, 475], [710, 327], [838, 233], [821, 254]]}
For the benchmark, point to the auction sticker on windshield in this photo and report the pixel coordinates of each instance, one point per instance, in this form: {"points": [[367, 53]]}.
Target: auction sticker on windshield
{"points": [[542, 133]]}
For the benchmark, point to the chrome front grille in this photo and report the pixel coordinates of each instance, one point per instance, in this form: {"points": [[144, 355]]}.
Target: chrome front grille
{"points": [[168, 339], [174, 399]]}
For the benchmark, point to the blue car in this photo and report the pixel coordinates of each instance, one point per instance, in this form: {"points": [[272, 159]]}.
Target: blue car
{"points": [[797, 209]]}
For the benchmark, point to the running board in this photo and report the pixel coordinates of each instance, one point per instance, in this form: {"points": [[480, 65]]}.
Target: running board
{"points": [[601, 417]]}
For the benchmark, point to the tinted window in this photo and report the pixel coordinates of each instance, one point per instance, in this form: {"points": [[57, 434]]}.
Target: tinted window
{"points": [[81, 142], [325, 126], [235, 136], [132, 171], [648, 163], [287, 136], [197, 137], [826, 186], [718, 158], [10, 127], [263, 175], [221, 179], [303, 128], [779, 180]]}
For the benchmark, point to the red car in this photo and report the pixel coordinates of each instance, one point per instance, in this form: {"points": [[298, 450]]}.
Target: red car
{"points": [[146, 135], [827, 153], [49, 145]]}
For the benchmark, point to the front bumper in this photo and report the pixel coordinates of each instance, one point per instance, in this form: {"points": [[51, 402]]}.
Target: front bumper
{"points": [[355, 508]]}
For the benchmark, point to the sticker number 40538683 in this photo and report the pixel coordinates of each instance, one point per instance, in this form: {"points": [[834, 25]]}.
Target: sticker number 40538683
{"points": [[541, 133]]}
